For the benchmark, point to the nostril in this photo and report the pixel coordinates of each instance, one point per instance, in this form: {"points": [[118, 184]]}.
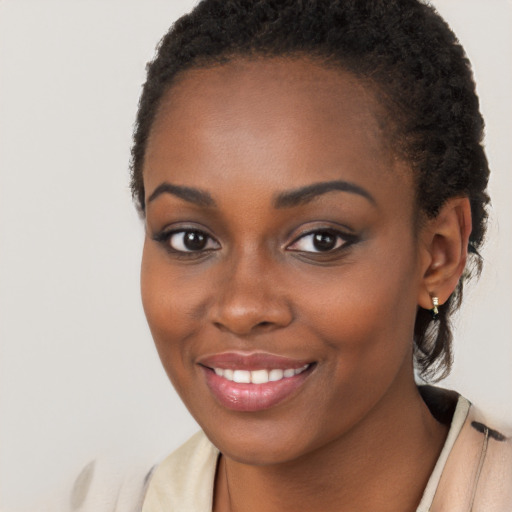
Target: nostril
{"points": [[246, 318], [219, 326], [244, 329]]}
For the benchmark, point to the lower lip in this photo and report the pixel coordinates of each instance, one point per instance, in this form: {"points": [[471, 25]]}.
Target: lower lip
{"points": [[253, 397]]}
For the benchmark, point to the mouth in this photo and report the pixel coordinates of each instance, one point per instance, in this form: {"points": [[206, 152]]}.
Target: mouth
{"points": [[254, 382], [258, 376]]}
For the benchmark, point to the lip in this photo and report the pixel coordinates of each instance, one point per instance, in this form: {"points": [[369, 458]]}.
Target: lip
{"points": [[252, 397], [251, 361]]}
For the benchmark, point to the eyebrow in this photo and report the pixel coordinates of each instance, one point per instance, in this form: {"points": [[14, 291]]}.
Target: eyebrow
{"points": [[308, 193], [286, 199], [190, 194]]}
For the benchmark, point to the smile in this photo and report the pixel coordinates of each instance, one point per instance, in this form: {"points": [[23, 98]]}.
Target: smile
{"points": [[258, 376], [253, 382]]}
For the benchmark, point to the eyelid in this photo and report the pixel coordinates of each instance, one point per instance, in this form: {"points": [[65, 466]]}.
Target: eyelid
{"points": [[182, 233], [164, 236], [347, 238]]}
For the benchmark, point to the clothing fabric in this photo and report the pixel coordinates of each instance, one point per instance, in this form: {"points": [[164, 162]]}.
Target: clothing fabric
{"points": [[473, 472]]}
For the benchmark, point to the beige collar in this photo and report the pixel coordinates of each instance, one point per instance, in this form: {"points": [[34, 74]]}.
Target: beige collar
{"points": [[473, 472]]}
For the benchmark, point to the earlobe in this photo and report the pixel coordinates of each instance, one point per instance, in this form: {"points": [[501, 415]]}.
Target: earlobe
{"points": [[445, 248]]}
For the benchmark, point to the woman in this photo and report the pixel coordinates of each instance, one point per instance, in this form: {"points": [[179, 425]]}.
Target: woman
{"points": [[313, 185]]}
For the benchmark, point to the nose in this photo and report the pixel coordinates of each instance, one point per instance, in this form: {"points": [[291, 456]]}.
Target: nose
{"points": [[250, 299]]}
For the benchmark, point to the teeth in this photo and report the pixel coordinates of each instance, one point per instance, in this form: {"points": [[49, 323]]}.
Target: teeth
{"points": [[275, 375], [258, 376], [242, 376]]}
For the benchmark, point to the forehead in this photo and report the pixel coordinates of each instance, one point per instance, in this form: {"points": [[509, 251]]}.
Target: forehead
{"points": [[292, 120]]}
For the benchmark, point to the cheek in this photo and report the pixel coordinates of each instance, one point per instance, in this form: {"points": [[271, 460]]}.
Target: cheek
{"points": [[366, 313], [170, 302], [174, 309]]}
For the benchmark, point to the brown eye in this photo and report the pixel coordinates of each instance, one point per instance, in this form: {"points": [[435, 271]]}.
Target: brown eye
{"points": [[191, 241], [320, 241], [324, 241]]}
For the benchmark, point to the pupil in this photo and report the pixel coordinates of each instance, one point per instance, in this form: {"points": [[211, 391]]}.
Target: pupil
{"points": [[324, 241], [194, 241]]}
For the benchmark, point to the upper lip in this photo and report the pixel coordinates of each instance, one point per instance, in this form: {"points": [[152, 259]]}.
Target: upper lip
{"points": [[251, 361]]}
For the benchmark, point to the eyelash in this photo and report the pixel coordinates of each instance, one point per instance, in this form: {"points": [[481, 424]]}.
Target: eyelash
{"points": [[342, 241], [165, 237]]}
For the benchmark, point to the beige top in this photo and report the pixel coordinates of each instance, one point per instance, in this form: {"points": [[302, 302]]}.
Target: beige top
{"points": [[473, 472]]}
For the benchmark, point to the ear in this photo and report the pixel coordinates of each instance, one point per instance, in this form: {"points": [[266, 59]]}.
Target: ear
{"points": [[444, 251]]}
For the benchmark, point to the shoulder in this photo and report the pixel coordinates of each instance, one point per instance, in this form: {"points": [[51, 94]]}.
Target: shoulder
{"points": [[478, 473], [184, 480], [105, 484], [132, 484], [493, 471]]}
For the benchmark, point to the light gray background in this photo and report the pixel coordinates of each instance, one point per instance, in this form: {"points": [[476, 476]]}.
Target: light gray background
{"points": [[79, 376]]}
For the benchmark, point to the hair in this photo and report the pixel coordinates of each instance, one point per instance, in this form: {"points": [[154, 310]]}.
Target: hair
{"points": [[411, 59]]}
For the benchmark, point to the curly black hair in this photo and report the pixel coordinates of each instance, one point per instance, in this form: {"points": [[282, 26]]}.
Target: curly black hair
{"points": [[414, 63]]}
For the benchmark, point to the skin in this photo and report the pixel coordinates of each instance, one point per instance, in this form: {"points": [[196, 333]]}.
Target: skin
{"points": [[357, 435]]}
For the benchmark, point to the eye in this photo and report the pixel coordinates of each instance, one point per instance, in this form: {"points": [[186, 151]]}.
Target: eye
{"points": [[188, 240], [325, 240]]}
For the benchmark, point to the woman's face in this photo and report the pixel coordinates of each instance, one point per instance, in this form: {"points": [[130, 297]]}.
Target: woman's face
{"points": [[279, 236]]}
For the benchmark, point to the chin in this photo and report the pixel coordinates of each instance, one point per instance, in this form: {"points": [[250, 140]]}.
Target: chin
{"points": [[260, 442], [260, 452]]}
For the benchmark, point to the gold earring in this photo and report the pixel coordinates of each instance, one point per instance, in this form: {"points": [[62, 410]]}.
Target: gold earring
{"points": [[435, 310]]}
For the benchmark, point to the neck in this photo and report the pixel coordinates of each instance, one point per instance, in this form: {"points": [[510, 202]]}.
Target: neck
{"points": [[382, 464]]}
